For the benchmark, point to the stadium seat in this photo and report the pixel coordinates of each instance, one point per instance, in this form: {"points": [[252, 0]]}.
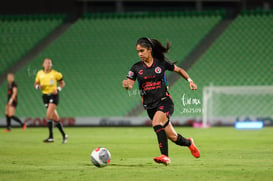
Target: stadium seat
{"points": [[21, 33]]}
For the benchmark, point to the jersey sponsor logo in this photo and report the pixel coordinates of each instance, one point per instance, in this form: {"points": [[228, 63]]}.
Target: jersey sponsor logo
{"points": [[130, 74], [158, 70], [149, 77], [140, 72], [151, 85]]}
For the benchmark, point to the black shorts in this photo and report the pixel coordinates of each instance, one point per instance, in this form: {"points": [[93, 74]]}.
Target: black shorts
{"points": [[50, 98], [166, 106]]}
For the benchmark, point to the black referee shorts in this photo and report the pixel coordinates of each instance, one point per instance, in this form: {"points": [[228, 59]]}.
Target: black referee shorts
{"points": [[165, 106], [50, 98]]}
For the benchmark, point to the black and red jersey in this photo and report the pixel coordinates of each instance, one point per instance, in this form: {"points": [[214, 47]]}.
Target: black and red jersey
{"points": [[151, 81], [10, 90]]}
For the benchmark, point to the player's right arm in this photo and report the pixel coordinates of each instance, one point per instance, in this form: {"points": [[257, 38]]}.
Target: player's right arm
{"points": [[37, 81], [131, 77], [37, 85], [128, 84]]}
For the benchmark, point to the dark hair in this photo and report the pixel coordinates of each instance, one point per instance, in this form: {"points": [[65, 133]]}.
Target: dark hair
{"points": [[158, 50]]}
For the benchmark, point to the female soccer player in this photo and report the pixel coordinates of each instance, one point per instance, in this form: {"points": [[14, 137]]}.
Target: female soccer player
{"points": [[12, 103], [150, 73], [46, 80]]}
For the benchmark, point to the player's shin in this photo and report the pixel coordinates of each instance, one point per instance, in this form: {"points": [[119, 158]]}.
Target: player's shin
{"points": [[50, 128], [162, 139], [17, 120], [59, 125], [8, 122], [182, 141]]}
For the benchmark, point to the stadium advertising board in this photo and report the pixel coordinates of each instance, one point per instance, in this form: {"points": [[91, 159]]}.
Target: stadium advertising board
{"points": [[137, 121]]}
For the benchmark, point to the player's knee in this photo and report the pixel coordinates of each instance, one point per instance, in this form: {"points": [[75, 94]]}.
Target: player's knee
{"points": [[10, 115], [56, 117], [49, 116]]}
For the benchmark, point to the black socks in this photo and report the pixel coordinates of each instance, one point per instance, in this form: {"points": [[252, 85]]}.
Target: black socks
{"points": [[162, 139], [50, 128], [8, 122], [59, 125], [182, 141], [17, 120], [8, 118]]}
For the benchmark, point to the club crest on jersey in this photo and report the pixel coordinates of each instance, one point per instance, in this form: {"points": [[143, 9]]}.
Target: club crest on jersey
{"points": [[158, 70], [130, 74]]}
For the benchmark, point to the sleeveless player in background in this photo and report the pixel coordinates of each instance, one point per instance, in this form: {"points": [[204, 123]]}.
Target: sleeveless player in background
{"points": [[151, 77], [12, 103], [47, 80]]}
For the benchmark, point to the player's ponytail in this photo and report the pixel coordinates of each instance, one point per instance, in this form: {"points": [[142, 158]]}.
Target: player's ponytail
{"points": [[158, 50]]}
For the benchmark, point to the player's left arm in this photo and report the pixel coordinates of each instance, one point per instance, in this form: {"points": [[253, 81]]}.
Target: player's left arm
{"points": [[61, 83], [13, 96], [184, 74]]}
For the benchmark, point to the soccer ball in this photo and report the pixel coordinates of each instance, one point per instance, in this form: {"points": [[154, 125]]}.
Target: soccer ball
{"points": [[100, 157]]}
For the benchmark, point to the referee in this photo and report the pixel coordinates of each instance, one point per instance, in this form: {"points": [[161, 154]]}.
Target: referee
{"points": [[47, 80]]}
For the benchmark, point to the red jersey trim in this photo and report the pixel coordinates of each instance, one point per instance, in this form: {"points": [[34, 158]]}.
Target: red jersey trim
{"points": [[154, 60]]}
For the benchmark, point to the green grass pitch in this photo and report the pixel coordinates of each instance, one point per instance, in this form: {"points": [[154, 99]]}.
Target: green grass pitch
{"points": [[226, 154]]}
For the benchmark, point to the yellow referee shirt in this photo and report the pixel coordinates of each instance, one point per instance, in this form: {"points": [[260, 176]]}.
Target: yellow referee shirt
{"points": [[48, 81]]}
